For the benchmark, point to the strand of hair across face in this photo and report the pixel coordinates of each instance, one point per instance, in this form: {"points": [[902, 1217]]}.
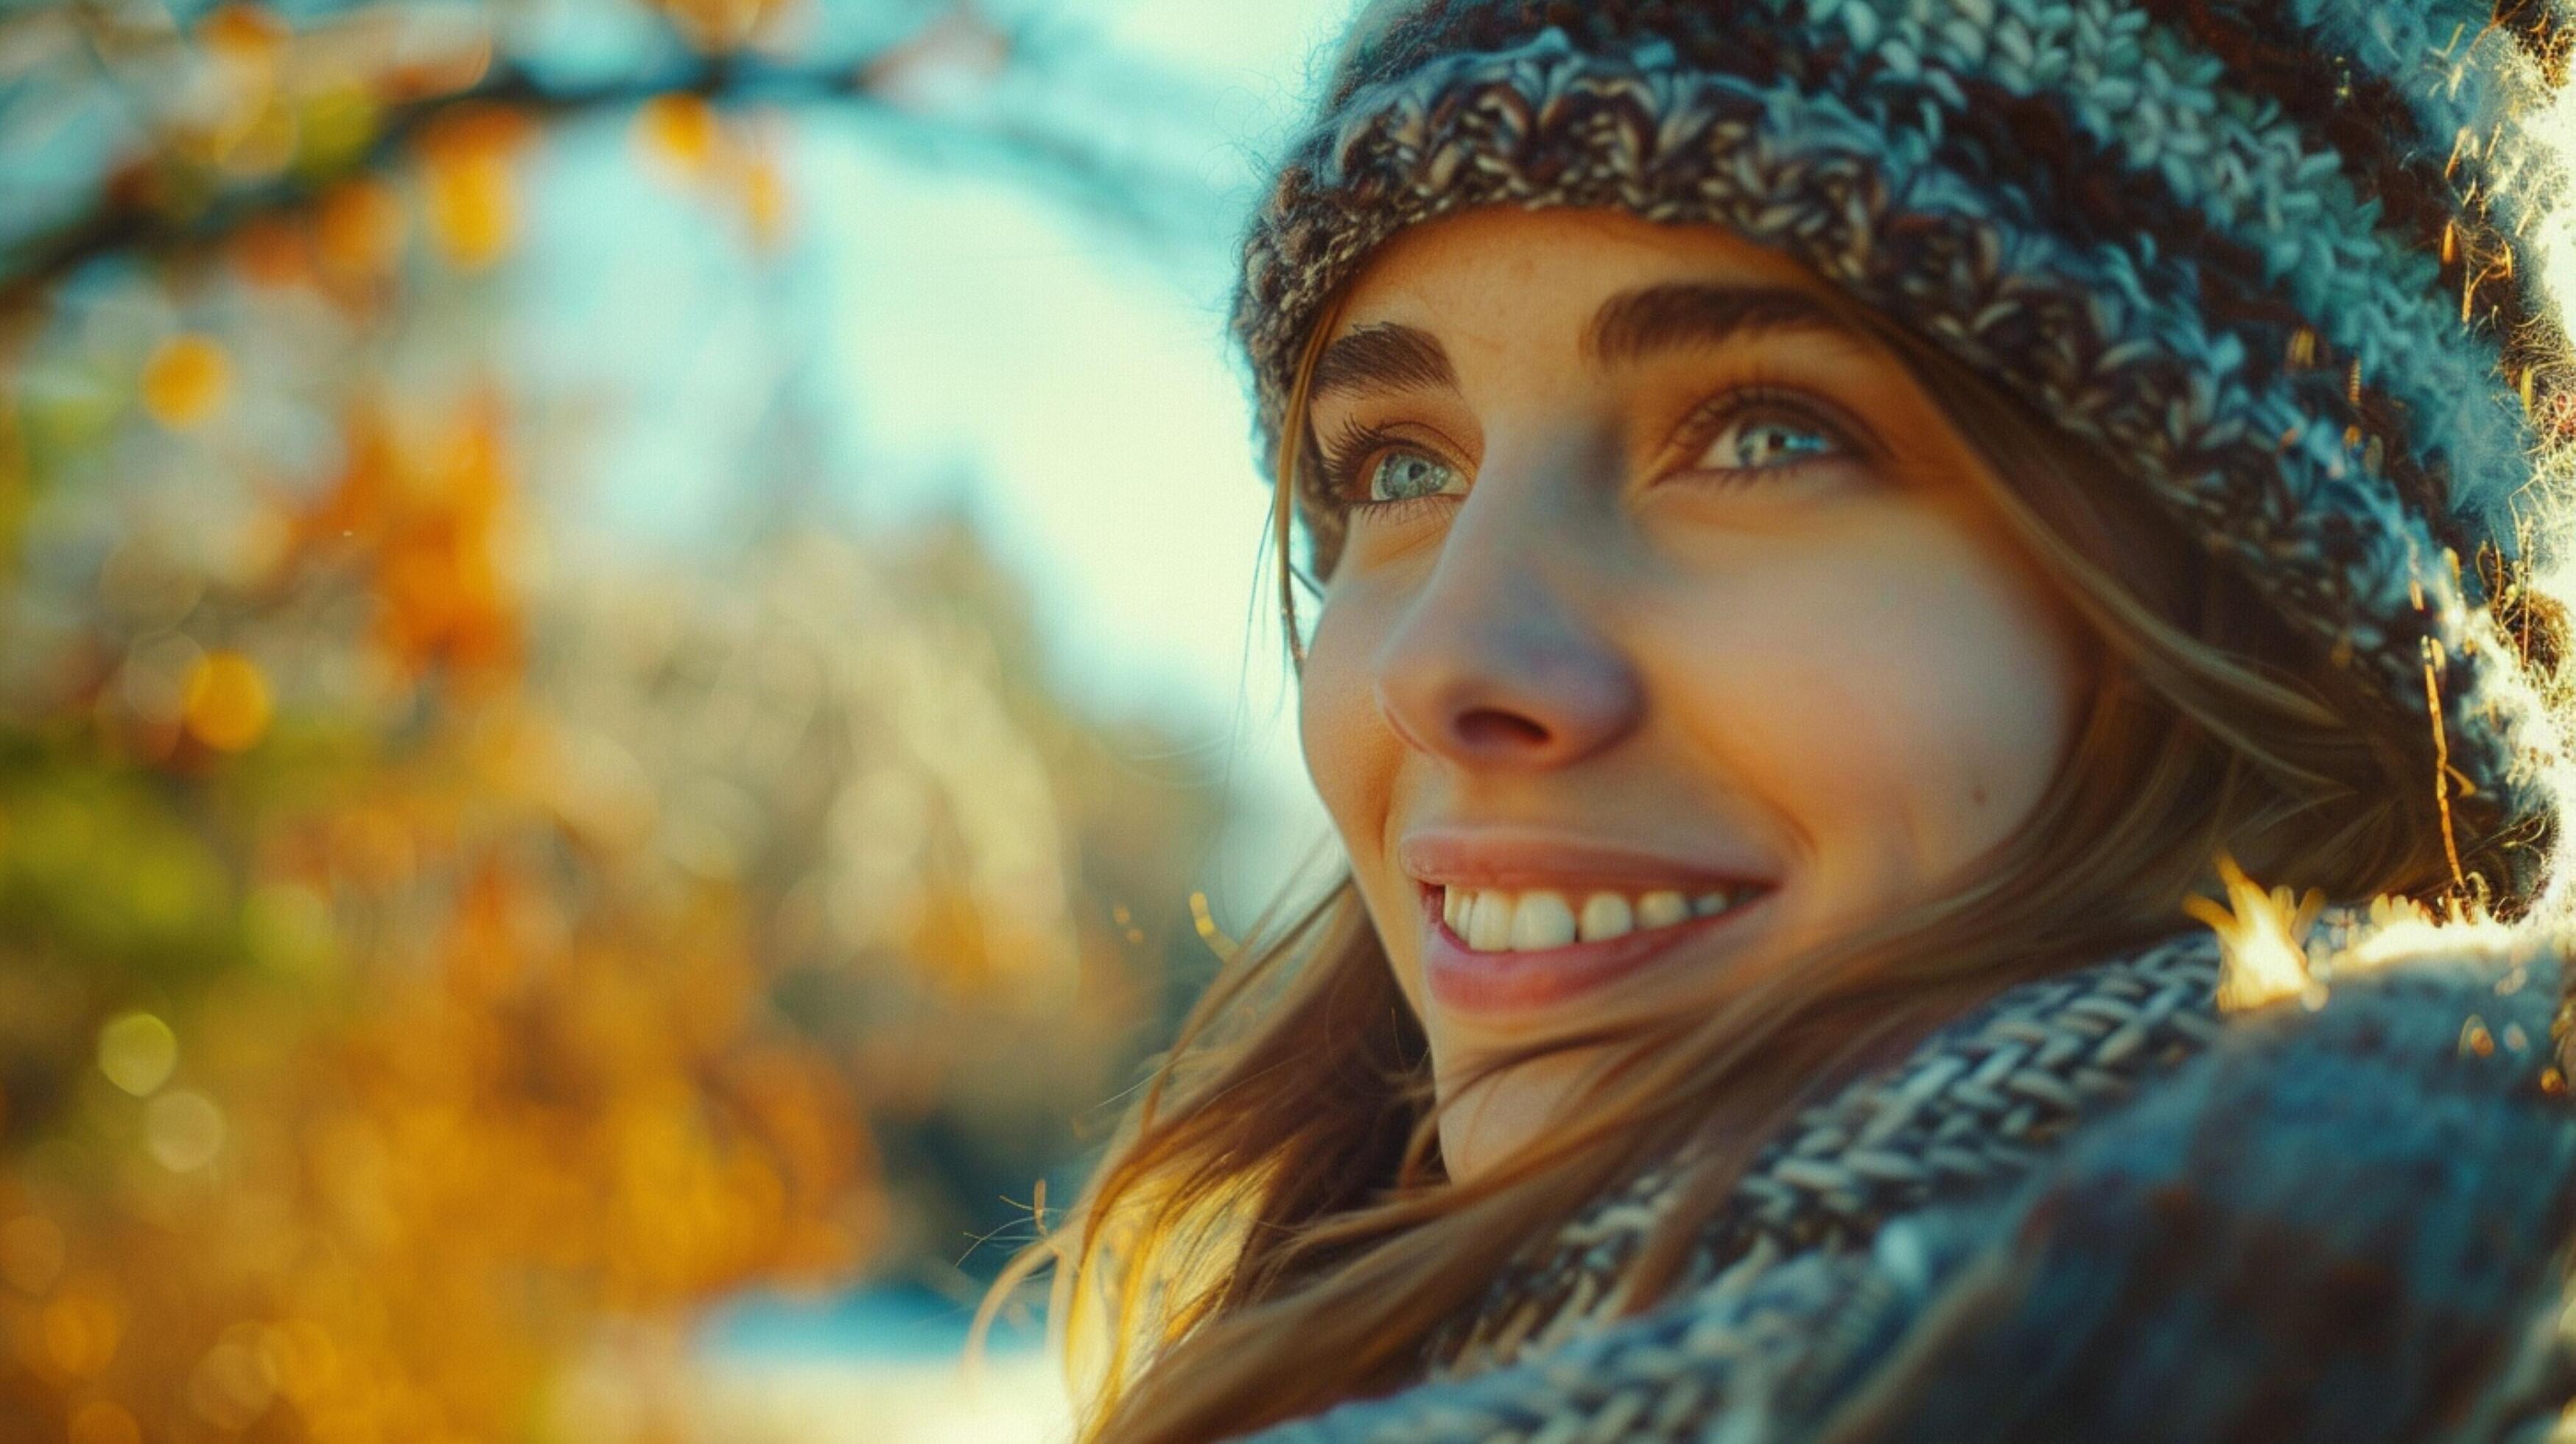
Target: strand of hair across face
{"points": [[2441, 763]]}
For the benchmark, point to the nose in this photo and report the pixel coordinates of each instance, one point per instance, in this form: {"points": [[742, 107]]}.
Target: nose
{"points": [[1504, 659]]}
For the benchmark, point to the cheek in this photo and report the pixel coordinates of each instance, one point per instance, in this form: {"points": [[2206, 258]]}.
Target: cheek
{"points": [[1901, 705], [1979, 699], [1352, 759], [1350, 754]]}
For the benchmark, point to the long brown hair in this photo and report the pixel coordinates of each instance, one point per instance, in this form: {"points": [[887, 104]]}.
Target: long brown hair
{"points": [[1270, 1230]]}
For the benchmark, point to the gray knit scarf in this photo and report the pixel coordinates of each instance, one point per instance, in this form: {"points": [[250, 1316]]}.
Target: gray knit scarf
{"points": [[1808, 1295]]}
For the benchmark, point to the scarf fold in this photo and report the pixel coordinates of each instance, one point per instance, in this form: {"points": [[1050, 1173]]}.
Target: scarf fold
{"points": [[1972, 1104], [2098, 1205]]}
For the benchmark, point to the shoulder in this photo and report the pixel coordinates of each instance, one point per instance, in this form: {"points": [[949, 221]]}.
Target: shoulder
{"points": [[2347, 1219]]}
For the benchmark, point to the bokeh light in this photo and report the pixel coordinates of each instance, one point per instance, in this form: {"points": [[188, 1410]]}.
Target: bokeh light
{"points": [[469, 924]]}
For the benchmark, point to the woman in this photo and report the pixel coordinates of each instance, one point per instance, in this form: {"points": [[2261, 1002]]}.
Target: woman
{"points": [[1843, 529]]}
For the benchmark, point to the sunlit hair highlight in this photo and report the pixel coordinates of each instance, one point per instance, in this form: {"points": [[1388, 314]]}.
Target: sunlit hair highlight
{"points": [[1270, 1230]]}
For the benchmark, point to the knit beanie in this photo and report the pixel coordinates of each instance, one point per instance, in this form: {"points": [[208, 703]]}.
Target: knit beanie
{"points": [[2272, 257]]}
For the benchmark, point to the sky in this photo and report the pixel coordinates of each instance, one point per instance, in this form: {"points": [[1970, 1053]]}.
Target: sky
{"points": [[955, 339], [1090, 402]]}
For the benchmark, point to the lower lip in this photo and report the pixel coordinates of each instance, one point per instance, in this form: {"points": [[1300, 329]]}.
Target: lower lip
{"points": [[1491, 984]]}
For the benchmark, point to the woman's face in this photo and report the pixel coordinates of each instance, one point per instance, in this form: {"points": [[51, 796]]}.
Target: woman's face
{"points": [[1670, 634]]}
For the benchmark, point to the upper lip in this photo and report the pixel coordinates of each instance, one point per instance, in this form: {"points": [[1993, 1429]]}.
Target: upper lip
{"points": [[1455, 857]]}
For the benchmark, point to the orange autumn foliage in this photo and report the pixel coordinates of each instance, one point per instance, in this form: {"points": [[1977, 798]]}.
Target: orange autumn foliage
{"points": [[426, 526], [679, 130], [429, 969], [502, 1067], [186, 380], [467, 157], [227, 705], [358, 228]]}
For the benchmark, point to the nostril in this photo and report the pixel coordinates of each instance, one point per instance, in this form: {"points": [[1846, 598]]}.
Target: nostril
{"points": [[1488, 727]]}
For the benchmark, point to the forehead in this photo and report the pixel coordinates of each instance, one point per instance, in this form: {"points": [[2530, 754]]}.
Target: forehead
{"points": [[1507, 264]]}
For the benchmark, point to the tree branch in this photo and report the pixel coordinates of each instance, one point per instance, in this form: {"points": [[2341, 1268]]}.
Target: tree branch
{"points": [[1158, 207]]}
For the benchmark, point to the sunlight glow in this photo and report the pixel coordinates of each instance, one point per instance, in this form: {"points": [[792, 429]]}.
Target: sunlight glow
{"points": [[2544, 158], [2261, 939]]}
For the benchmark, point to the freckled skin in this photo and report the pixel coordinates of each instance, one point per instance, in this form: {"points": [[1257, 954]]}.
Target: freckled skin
{"points": [[1845, 666]]}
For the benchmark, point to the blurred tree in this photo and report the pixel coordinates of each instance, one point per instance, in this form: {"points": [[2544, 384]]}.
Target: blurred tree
{"points": [[427, 950]]}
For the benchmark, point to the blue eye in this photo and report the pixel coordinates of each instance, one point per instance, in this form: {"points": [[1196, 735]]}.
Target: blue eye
{"points": [[1758, 442], [1403, 475]]}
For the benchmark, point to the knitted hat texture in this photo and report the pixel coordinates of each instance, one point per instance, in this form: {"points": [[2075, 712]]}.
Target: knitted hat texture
{"points": [[2267, 255]]}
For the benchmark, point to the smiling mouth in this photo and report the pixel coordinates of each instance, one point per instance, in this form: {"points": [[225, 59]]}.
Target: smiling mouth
{"points": [[1540, 948], [1497, 920]]}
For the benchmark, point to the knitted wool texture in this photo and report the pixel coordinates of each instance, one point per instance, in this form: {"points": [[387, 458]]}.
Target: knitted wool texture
{"points": [[2100, 1207], [1969, 1108], [2261, 252]]}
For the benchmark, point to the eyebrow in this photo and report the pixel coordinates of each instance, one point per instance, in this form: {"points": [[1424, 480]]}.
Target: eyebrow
{"points": [[1627, 328], [1386, 356], [1635, 324]]}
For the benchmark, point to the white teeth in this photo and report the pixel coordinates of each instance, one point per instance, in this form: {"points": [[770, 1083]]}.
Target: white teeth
{"points": [[1494, 920], [1661, 909], [1489, 922], [1606, 915], [1542, 920]]}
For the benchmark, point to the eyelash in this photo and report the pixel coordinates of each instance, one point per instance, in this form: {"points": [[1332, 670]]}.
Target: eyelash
{"points": [[1347, 453], [1351, 449], [1760, 400]]}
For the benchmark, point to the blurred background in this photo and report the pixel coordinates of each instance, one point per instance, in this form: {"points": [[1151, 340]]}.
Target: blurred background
{"points": [[633, 685]]}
